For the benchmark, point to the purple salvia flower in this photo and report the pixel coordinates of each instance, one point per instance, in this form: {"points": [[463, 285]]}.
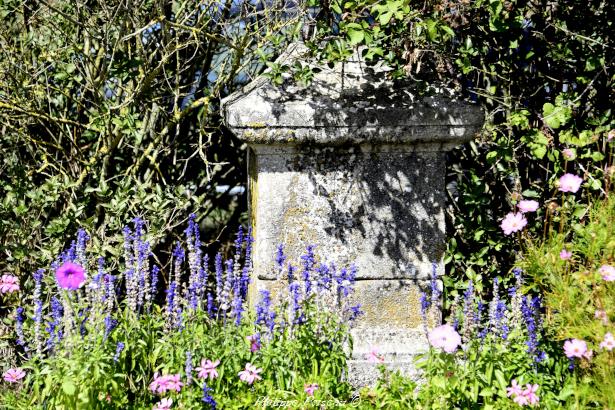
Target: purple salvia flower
{"points": [[219, 278], [82, 239], [118, 350], [171, 304], [308, 265], [210, 305], [531, 312], [155, 271], [354, 312], [296, 314], [110, 324], [324, 278], [280, 258], [479, 317], [468, 311], [493, 307], [20, 319], [500, 322], [179, 255], [188, 368], [208, 398], [291, 273], [425, 303], [38, 310], [239, 243], [54, 327], [433, 284], [237, 304], [128, 255]]}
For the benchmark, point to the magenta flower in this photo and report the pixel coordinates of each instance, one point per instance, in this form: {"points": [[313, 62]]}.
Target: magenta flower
{"points": [[445, 338], [608, 343], [575, 348], [513, 222], [374, 356], [250, 374], [14, 375], [207, 370], [570, 183], [514, 389], [164, 404], [9, 284], [255, 342], [527, 206], [607, 272], [310, 388], [70, 276], [162, 384], [565, 255]]}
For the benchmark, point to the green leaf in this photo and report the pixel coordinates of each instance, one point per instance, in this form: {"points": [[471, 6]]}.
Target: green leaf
{"points": [[356, 36], [68, 387]]}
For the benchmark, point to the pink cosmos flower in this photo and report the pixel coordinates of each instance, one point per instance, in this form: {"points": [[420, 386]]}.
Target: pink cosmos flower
{"points": [[565, 255], [207, 370], [601, 314], [310, 388], [514, 389], [575, 348], [588, 355], [607, 272], [9, 284], [570, 183], [608, 343], [445, 338], [530, 393], [568, 154], [250, 374], [374, 356], [14, 375], [162, 384], [521, 399], [513, 222], [164, 404], [70, 276], [255, 342], [527, 206]]}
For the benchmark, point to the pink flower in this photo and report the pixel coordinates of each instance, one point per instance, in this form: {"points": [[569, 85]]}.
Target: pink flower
{"points": [[14, 375], [70, 276], [527, 206], [208, 369], [374, 356], [570, 183], [568, 154], [514, 389], [445, 338], [607, 272], [588, 355], [601, 314], [610, 135], [608, 343], [250, 374], [513, 222], [575, 348], [9, 284], [565, 255], [255, 342], [530, 393], [164, 404], [310, 388], [162, 384], [521, 399]]}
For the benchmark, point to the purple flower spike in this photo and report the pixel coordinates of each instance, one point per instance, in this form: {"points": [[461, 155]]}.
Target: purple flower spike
{"points": [[70, 276]]}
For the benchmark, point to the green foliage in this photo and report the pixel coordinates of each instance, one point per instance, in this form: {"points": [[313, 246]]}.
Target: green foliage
{"points": [[109, 110], [575, 291], [544, 74]]}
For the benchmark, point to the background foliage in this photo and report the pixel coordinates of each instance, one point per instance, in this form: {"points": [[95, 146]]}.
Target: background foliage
{"points": [[542, 70]]}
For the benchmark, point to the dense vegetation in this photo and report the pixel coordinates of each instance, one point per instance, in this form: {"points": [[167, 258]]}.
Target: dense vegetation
{"points": [[109, 111]]}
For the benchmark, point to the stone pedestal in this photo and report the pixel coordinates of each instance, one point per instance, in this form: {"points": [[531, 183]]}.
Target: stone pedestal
{"points": [[354, 164]]}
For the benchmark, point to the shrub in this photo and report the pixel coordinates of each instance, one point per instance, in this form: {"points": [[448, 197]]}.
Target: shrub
{"points": [[93, 339]]}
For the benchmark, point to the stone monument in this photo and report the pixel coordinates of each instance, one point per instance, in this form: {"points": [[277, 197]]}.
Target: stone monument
{"points": [[354, 163]]}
